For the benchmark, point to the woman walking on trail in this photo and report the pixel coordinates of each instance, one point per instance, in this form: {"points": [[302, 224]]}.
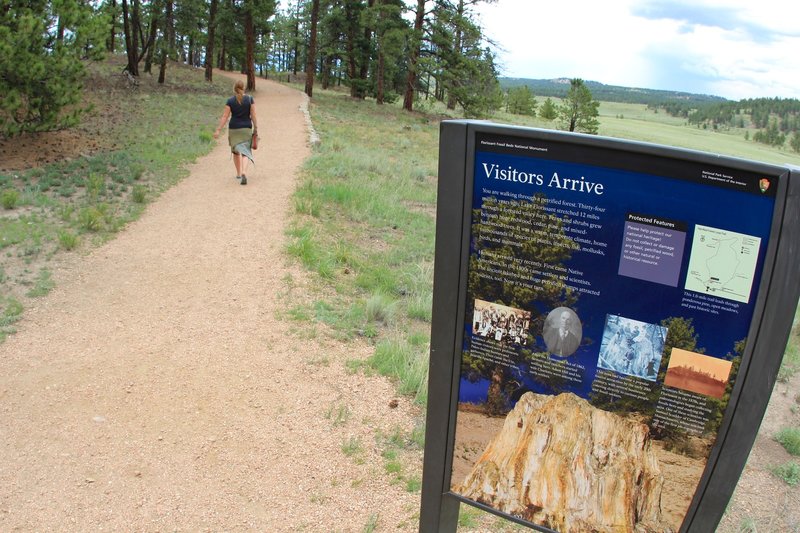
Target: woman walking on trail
{"points": [[241, 109]]}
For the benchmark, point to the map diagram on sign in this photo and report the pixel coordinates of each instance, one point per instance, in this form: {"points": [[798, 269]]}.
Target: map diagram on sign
{"points": [[722, 263]]}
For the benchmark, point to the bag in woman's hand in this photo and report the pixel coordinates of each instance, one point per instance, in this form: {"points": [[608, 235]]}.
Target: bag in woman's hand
{"points": [[254, 141]]}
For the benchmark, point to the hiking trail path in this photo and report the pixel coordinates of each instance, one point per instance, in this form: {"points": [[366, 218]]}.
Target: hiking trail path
{"points": [[156, 388]]}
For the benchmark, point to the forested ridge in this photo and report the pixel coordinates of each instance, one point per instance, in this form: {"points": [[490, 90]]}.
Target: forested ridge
{"points": [[611, 93], [772, 121], [776, 121]]}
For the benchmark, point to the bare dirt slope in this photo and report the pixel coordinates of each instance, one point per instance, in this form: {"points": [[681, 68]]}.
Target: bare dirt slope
{"points": [[155, 389]]}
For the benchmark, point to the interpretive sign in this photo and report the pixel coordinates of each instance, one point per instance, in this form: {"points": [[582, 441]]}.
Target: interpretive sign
{"points": [[608, 322]]}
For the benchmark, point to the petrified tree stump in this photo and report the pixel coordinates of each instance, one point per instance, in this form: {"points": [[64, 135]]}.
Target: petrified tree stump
{"points": [[563, 464]]}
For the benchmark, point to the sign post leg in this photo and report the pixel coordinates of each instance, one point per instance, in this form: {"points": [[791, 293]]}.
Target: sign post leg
{"points": [[438, 514]]}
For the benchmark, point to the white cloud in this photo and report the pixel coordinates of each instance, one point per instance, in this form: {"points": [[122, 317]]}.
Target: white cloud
{"points": [[732, 49]]}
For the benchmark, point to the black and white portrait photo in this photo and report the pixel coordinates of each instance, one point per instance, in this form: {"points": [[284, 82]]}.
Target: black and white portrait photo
{"points": [[562, 332]]}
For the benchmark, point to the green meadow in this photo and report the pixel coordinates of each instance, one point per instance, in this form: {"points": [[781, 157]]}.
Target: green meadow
{"points": [[638, 123], [364, 223], [365, 214]]}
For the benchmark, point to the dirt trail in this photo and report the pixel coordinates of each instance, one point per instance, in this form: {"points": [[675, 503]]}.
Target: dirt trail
{"points": [[155, 389]]}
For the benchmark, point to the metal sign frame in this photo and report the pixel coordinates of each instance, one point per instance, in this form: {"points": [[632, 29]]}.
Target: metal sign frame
{"points": [[770, 326]]}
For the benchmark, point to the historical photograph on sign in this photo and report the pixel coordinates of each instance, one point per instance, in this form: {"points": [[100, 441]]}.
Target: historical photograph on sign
{"points": [[600, 415], [697, 373], [501, 323], [632, 347], [562, 332]]}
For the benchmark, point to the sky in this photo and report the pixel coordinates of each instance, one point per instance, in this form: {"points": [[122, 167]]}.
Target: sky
{"points": [[735, 49]]}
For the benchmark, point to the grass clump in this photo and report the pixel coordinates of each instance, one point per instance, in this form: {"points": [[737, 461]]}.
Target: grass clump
{"points": [[338, 415], [397, 358], [396, 446], [95, 185], [139, 194], [380, 308], [68, 240], [372, 524], [789, 472], [352, 447], [90, 219], [11, 313], [413, 484], [306, 247], [789, 438], [467, 516], [9, 198], [420, 307], [43, 285], [393, 467]]}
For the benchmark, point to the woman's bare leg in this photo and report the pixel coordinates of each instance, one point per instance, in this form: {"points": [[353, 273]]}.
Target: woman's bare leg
{"points": [[237, 162]]}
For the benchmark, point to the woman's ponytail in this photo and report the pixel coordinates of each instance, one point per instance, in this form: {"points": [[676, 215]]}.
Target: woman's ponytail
{"points": [[238, 90]]}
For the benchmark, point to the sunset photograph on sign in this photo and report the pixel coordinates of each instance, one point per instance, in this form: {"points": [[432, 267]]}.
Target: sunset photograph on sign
{"points": [[697, 373]]}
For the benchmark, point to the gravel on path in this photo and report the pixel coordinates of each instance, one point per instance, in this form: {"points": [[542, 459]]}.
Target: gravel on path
{"points": [[157, 389]]}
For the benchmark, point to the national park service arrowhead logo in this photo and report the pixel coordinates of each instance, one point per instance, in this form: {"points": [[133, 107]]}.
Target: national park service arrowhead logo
{"points": [[763, 184]]}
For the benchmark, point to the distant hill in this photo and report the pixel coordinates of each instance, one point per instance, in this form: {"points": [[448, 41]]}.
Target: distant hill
{"points": [[611, 93]]}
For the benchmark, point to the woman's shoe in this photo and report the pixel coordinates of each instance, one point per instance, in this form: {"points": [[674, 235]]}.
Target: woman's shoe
{"points": [[244, 180]]}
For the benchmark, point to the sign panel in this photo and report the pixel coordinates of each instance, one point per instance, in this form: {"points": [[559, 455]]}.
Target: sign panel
{"points": [[610, 296]]}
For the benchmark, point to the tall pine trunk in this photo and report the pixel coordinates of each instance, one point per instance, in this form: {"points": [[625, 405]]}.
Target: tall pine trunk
{"points": [[296, 40], [311, 56], [453, 83], [380, 81], [136, 31], [111, 43], [495, 400], [413, 59], [130, 22], [380, 75], [212, 27], [190, 58], [327, 66], [250, 45], [169, 39], [151, 38], [351, 50], [364, 57], [222, 52]]}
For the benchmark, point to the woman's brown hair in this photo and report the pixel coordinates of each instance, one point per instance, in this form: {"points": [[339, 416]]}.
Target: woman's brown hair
{"points": [[238, 90]]}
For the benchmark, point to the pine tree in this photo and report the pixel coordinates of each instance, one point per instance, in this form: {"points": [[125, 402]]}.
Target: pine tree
{"points": [[579, 110], [548, 110], [794, 142], [43, 46], [520, 101]]}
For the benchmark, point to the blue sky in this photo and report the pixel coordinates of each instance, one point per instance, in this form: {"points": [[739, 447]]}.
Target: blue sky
{"points": [[735, 49]]}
